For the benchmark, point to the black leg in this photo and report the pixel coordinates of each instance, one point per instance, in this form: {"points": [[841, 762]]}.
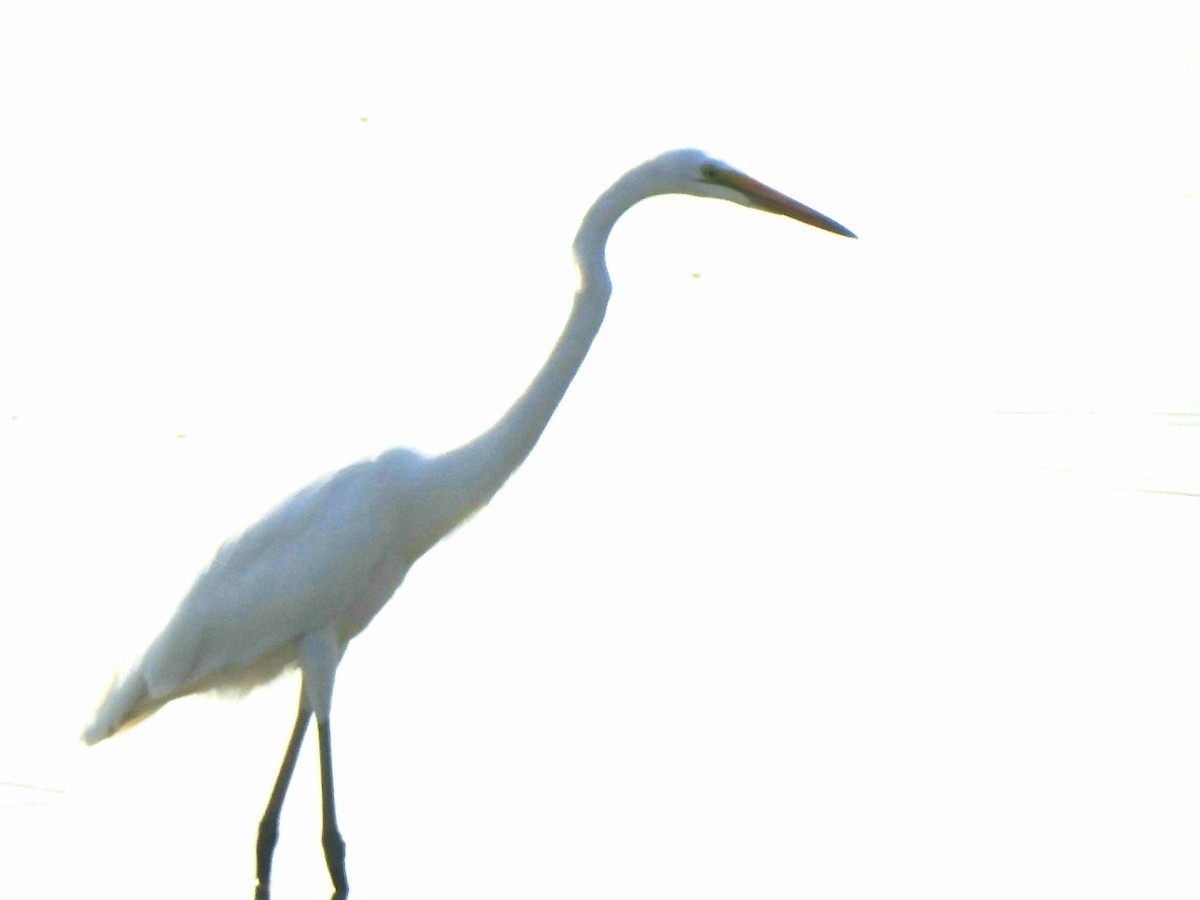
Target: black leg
{"points": [[268, 828], [331, 838]]}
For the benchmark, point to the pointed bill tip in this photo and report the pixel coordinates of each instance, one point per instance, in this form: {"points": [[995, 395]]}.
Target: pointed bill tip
{"points": [[837, 228]]}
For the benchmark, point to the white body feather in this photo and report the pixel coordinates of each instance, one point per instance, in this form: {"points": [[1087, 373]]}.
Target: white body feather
{"points": [[331, 554]]}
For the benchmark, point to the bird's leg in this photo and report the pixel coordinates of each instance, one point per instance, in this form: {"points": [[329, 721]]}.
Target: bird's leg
{"points": [[331, 838], [268, 828]]}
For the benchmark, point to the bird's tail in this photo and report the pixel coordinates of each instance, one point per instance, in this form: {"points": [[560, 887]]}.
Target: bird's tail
{"points": [[126, 703]]}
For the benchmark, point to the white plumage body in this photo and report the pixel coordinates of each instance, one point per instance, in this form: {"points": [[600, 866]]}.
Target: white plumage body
{"points": [[332, 554]]}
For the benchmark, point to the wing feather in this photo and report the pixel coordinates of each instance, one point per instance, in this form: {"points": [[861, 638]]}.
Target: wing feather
{"points": [[292, 573]]}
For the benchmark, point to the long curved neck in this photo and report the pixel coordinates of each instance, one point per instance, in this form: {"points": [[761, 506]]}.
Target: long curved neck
{"points": [[476, 470]]}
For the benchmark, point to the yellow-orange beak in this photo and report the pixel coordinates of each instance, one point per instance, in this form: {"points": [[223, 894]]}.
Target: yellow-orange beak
{"points": [[766, 198]]}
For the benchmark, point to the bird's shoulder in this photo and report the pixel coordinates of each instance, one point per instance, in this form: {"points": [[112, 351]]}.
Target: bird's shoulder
{"points": [[322, 516]]}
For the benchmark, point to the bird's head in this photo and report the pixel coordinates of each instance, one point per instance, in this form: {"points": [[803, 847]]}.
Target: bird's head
{"points": [[695, 172]]}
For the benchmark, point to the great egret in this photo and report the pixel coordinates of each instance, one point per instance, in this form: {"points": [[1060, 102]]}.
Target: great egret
{"points": [[297, 586]]}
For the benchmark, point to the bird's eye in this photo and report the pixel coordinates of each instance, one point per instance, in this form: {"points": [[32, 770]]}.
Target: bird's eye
{"points": [[708, 170]]}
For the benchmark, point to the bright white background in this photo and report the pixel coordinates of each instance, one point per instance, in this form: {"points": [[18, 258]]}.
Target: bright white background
{"points": [[846, 570]]}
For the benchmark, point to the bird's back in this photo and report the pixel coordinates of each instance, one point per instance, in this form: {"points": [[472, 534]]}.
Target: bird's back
{"points": [[334, 552]]}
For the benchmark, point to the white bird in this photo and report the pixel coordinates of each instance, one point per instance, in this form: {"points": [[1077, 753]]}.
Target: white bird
{"points": [[297, 586]]}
